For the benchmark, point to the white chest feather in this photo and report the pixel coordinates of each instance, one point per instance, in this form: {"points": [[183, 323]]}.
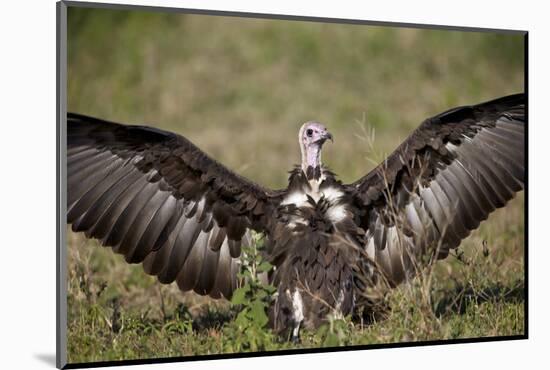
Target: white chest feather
{"points": [[336, 212]]}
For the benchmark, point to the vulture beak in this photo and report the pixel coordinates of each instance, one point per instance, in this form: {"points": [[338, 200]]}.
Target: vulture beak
{"points": [[328, 136]]}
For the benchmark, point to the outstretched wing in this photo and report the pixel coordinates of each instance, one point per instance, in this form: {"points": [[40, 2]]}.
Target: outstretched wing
{"points": [[156, 198], [441, 182]]}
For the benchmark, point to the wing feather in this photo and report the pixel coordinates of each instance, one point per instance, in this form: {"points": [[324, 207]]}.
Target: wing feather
{"points": [[189, 274], [139, 226], [446, 178], [159, 222], [158, 260], [105, 193], [157, 199]]}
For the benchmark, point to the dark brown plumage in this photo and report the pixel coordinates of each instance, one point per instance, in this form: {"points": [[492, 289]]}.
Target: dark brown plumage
{"points": [[157, 199], [440, 183]]}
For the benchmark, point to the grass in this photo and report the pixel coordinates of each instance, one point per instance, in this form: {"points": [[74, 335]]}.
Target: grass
{"points": [[117, 312], [239, 89]]}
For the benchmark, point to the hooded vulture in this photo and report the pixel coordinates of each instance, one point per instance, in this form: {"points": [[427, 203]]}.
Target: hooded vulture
{"points": [[157, 199]]}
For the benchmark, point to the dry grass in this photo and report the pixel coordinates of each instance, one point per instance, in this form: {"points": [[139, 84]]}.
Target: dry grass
{"points": [[239, 89]]}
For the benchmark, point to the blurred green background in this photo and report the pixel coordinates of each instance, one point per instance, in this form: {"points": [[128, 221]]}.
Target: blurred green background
{"points": [[240, 88]]}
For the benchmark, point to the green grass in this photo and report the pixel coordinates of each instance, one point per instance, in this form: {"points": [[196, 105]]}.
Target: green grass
{"points": [[240, 89]]}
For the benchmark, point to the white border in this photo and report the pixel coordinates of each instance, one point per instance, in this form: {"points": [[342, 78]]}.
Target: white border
{"points": [[28, 181]]}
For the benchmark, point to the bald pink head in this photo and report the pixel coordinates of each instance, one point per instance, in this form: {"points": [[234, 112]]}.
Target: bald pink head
{"points": [[312, 136]]}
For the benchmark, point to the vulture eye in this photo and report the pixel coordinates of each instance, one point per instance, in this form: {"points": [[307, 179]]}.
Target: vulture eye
{"points": [[309, 132]]}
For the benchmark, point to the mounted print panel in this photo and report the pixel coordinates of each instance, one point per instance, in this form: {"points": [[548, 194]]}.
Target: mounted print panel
{"points": [[245, 185]]}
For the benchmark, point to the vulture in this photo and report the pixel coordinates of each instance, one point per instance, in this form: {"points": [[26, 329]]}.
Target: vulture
{"points": [[157, 199]]}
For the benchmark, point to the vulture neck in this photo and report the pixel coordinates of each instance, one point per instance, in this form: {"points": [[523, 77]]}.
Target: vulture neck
{"points": [[311, 161]]}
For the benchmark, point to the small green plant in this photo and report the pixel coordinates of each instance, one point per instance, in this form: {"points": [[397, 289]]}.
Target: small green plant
{"points": [[181, 324], [337, 331], [250, 331]]}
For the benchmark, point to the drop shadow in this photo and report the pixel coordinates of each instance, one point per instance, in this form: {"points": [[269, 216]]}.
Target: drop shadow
{"points": [[47, 358]]}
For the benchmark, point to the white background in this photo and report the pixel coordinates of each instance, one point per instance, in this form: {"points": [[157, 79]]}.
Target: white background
{"points": [[27, 144]]}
